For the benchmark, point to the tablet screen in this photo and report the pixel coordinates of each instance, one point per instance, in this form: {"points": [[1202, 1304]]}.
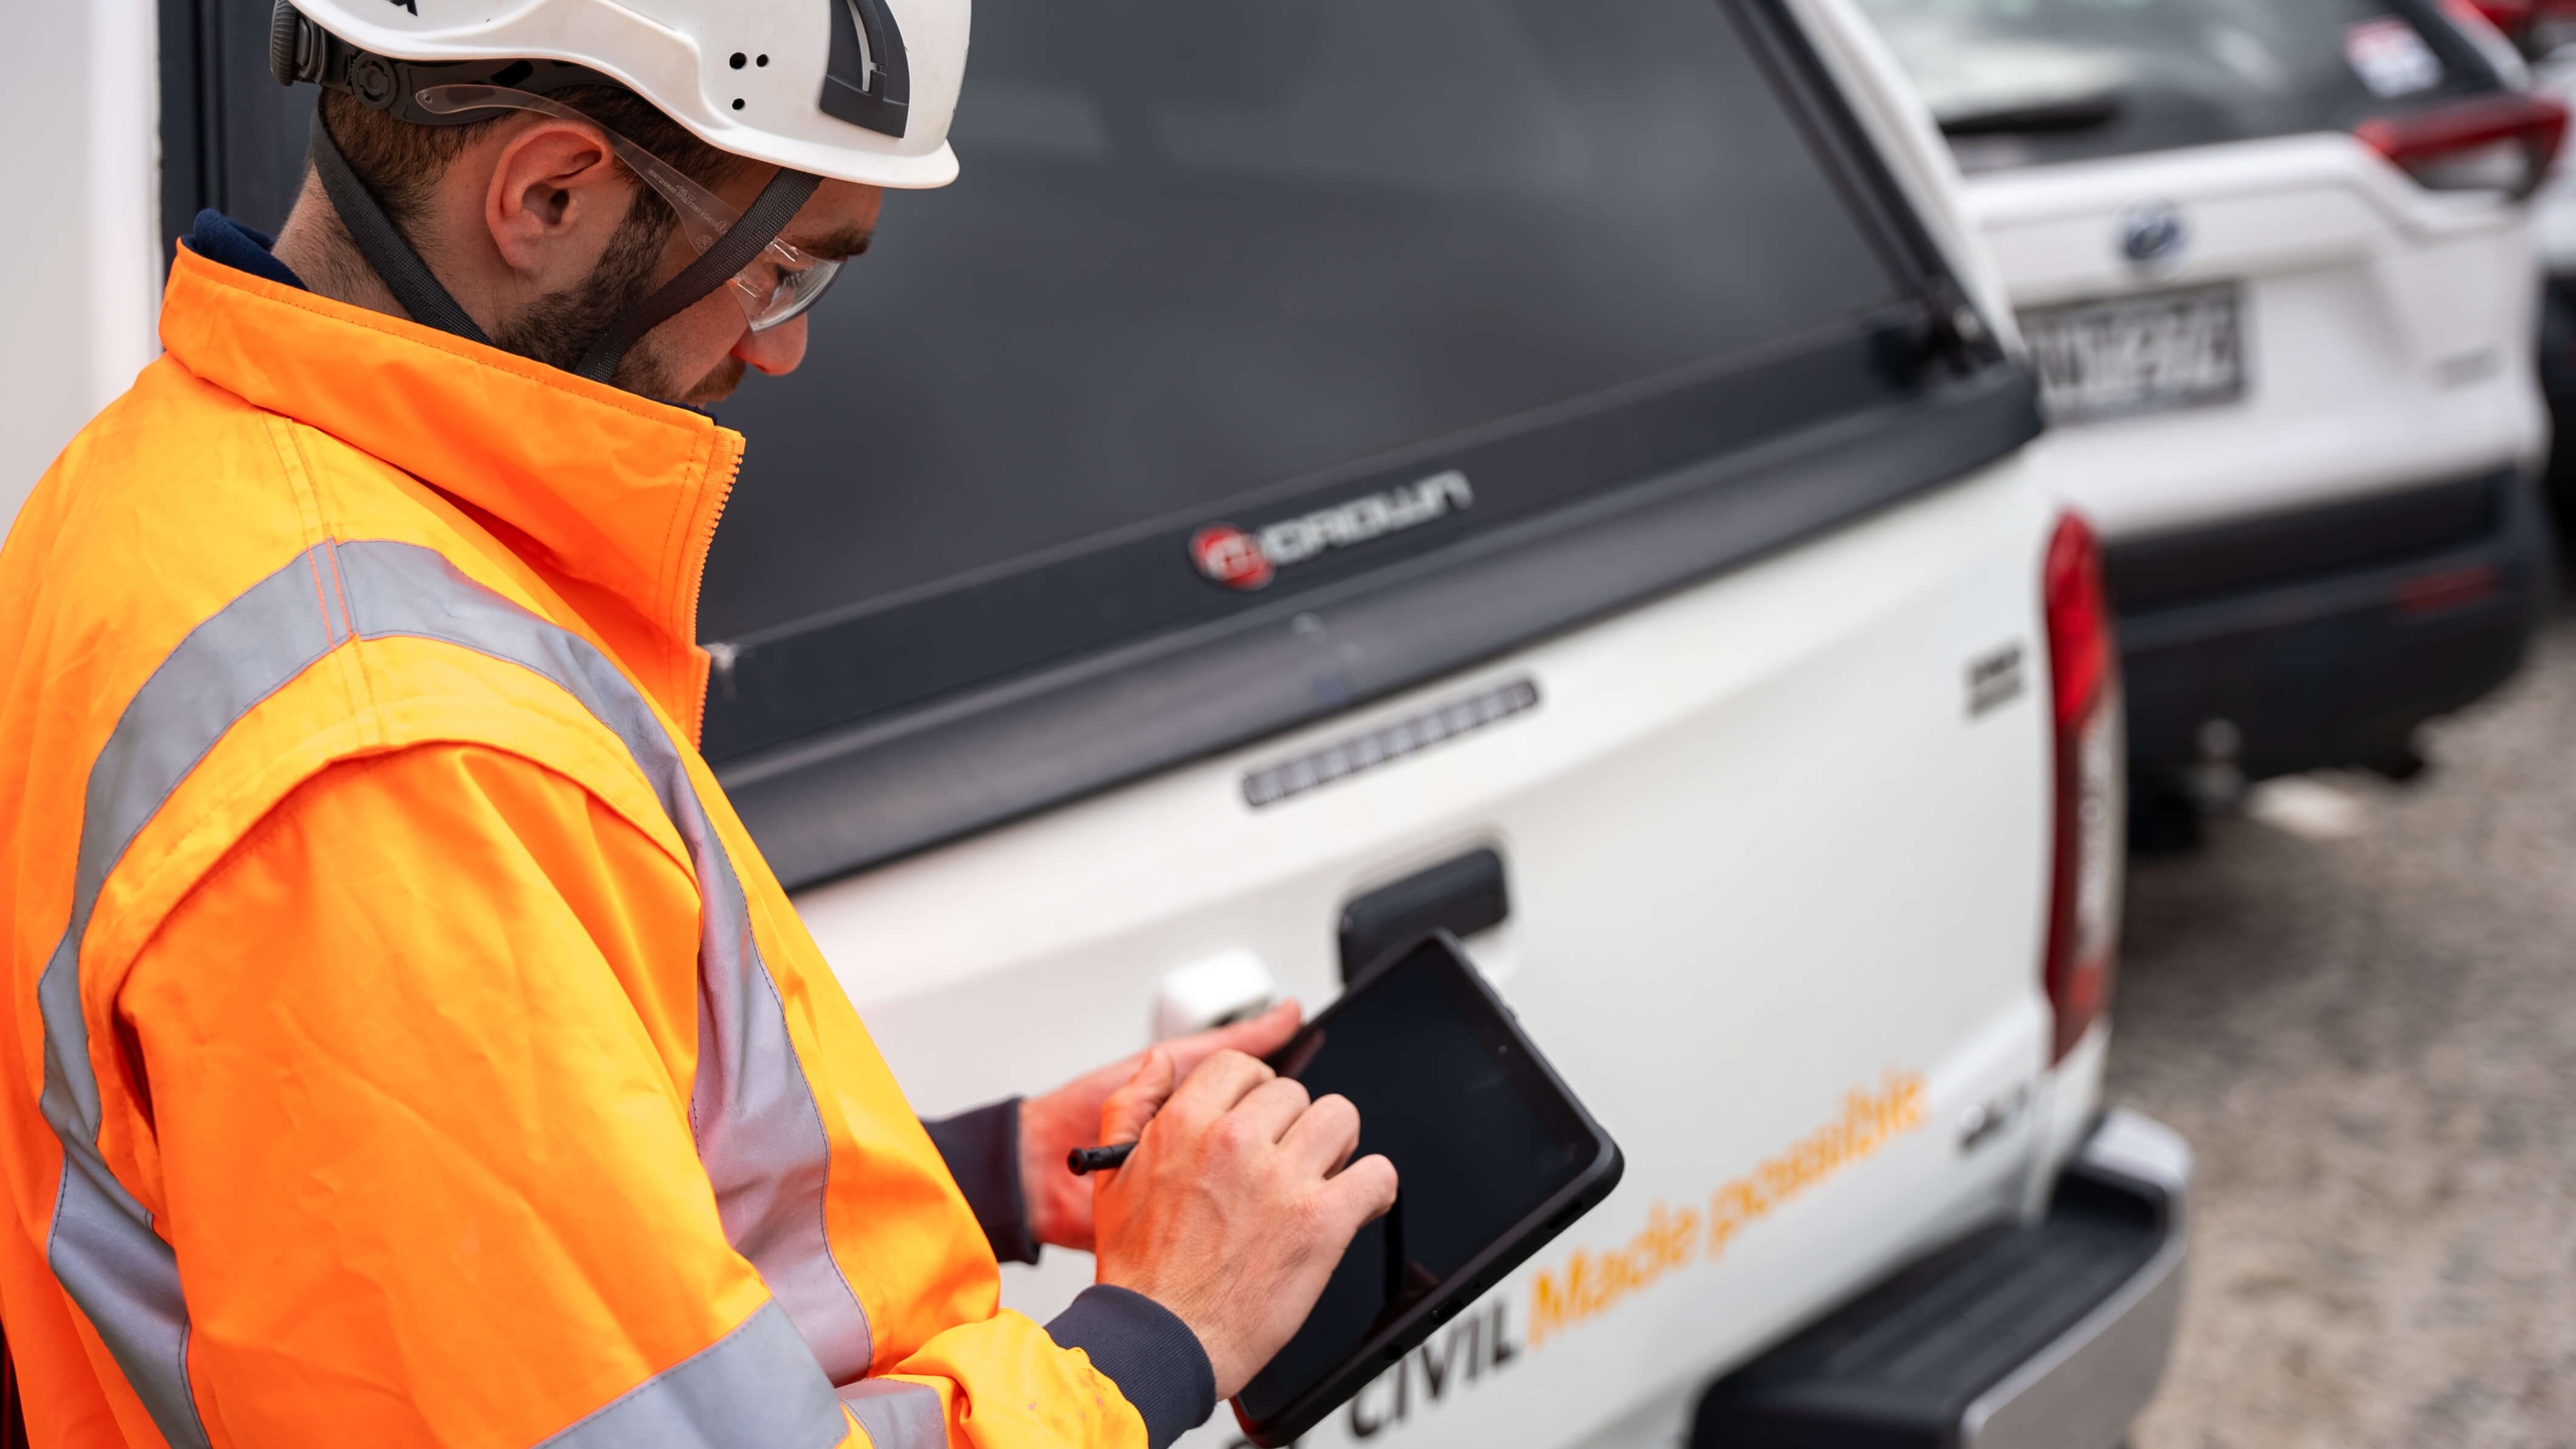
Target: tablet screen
{"points": [[1479, 1137]]}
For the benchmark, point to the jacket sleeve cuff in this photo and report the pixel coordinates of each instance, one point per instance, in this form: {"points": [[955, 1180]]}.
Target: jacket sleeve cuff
{"points": [[1148, 1352], [982, 1149]]}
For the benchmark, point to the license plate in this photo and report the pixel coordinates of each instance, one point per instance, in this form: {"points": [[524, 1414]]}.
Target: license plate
{"points": [[2139, 354]]}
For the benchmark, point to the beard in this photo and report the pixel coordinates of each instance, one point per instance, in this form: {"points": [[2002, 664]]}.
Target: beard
{"points": [[644, 371], [558, 328]]}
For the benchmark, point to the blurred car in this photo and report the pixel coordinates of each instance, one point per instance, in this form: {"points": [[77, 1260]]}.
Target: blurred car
{"points": [[2543, 33], [2546, 32], [2275, 260]]}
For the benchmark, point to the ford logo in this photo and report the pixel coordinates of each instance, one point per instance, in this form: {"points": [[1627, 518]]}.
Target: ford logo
{"points": [[2152, 232]]}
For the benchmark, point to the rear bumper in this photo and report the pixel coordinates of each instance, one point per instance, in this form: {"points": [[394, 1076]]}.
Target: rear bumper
{"points": [[2051, 1336], [2326, 636], [2094, 1379]]}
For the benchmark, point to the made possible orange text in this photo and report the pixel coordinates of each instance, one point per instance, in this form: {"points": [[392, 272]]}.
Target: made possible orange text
{"points": [[1591, 1283]]}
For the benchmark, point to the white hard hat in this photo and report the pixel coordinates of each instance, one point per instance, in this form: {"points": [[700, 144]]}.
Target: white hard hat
{"points": [[855, 90]]}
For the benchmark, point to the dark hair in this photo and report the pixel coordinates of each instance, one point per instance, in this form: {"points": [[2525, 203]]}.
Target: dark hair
{"points": [[402, 162]]}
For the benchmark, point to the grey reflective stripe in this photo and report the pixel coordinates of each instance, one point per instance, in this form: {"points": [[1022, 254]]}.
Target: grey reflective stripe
{"points": [[101, 1244], [755, 1388], [760, 1133], [897, 1415]]}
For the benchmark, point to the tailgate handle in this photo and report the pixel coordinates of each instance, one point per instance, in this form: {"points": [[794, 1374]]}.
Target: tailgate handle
{"points": [[1221, 990], [1460, 896]]}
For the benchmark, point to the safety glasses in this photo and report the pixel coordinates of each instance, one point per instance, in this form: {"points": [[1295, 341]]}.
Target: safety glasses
{"points": [[779, 284]]}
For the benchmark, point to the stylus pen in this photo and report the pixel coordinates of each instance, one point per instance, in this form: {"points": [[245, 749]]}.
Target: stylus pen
{"points": [[1087, 1160]]}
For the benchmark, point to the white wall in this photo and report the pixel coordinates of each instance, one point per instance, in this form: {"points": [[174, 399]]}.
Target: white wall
{"points": [[80, 269]]}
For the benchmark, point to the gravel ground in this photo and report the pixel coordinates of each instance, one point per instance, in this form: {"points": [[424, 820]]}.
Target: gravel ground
{"points": [[2359, 1002]]}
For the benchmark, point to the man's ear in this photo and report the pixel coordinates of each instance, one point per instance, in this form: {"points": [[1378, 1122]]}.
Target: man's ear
{"points": [[556, 196]]}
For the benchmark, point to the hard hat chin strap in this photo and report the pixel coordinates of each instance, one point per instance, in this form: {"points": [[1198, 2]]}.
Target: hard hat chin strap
{"points": [[761, 223], [383, 244], [427, 300]]}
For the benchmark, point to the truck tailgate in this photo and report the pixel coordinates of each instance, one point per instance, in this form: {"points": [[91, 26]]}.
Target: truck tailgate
{"points": [[1774, 857]]}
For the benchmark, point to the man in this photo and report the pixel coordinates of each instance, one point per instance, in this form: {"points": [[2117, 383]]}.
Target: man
{"points": [[409, 1045]]}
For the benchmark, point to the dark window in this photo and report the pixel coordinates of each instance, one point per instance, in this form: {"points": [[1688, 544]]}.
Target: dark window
{"points": [[2019, 82], [231, 137], [1205, 250], [1236, 260]]}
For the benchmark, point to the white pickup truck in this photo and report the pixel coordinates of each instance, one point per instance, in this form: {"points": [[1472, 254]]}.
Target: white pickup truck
{"points": [[1550, 471]]}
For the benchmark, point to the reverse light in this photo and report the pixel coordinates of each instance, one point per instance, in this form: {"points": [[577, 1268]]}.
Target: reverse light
{"points": [[2504, 141], [2084, 882]]}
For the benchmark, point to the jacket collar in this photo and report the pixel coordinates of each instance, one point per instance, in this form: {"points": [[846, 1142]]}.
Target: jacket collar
{"points": [[611, 497]]}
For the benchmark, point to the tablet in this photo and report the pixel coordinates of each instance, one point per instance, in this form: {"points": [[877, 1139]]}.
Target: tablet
{"points": [[1493, 1158]]}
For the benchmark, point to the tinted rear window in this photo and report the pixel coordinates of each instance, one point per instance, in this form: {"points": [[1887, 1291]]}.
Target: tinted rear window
{"points": [[2024, 81], [1210, 255]]}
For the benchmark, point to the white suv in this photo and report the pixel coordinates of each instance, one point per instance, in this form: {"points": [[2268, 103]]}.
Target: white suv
{"points": [[2274, 260]]}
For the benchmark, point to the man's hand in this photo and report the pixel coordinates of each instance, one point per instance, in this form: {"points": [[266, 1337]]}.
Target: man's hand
{"points": [[1236, 1206], [1059, 1203]]}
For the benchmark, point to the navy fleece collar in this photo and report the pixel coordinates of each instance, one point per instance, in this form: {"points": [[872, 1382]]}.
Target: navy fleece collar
{"points": [[219, 238]]}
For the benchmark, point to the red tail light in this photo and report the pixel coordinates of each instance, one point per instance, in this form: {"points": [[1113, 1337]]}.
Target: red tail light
{"points": [[2504, 142], [2084, 895], [2509, 16]]}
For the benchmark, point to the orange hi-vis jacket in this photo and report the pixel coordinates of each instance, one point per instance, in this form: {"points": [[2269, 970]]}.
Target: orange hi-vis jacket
{"points": [[406, 1044]]}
